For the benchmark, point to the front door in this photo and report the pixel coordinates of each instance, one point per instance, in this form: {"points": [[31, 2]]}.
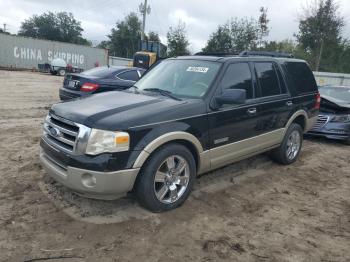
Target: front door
{"points": [[233, 126]]}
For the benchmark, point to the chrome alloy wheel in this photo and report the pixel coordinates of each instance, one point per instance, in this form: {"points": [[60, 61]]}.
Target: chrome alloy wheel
{"points": [[293, 145], [171, 179]]}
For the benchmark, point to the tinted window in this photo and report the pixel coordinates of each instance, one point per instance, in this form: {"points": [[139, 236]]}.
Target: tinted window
{"points": [[267, 78], [238, 76], [301, 77], [281, 81], [129, 75]]}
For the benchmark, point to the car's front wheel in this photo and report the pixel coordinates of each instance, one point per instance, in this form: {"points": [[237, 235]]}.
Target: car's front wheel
{"points": [[166, 179]]}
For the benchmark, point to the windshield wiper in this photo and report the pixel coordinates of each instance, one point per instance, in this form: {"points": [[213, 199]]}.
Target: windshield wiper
{"points": [[163, 93]]}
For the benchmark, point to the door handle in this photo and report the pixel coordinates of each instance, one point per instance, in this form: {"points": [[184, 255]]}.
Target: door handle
{"points": [[251, 111], [289, 103]]}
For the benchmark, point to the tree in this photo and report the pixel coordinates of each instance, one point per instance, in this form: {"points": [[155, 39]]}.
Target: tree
{"points": [[125, 38], [153, 36], [104, 44], [235, 36], [3, 32], [343, 58], [284, 46], [244, 34], [177, 41], [263, 23], [220, 41], [320, 33], [60, 26]]}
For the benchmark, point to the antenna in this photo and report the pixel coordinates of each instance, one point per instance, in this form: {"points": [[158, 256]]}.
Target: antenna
{"points": [[144, 10]]}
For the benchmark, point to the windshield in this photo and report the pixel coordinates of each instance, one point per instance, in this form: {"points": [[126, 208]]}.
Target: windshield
{"points": [[340, 93], [183, 78]]}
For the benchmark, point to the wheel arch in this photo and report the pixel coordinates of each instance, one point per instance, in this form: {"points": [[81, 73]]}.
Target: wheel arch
{"points": [[186, 139], [300, 117]]}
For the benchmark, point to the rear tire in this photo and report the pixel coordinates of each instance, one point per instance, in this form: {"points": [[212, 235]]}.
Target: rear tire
{"points": [[288, 152], [166, 179]]}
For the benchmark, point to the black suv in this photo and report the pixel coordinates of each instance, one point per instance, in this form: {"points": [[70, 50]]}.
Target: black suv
{"points": [[186, 116]]}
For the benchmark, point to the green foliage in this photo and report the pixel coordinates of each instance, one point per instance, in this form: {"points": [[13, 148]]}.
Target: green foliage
{"points": [[320, 34], [104, 44], [3, 32], [60, 26], [235, 36], [220, 41], [177, 41], [125, 38], [153, 36], [263, 23], [285, 46], [343, 58]]}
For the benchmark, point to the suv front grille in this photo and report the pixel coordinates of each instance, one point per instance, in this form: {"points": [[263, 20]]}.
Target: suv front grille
{"points": [[321, 121], [61, 133]]}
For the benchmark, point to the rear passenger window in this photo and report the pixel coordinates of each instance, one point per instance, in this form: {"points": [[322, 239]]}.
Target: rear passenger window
{"points": [[281, 81], [301, 77], [129, 75], [238, 76], [268, 80]]}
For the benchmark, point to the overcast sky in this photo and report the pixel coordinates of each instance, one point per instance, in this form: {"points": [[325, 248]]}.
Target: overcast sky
{"points": [[201, 16]]}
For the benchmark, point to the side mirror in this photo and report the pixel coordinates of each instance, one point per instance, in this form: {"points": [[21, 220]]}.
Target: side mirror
{"points": [[231, 97]]}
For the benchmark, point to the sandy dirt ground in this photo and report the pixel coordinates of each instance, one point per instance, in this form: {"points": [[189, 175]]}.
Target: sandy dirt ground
{"points": [[254, 210]]}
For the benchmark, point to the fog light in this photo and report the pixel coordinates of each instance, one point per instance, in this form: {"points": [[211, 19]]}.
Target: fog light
{"points": [[88, 180]]}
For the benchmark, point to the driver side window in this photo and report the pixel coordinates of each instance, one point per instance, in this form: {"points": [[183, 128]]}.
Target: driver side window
{"points": [[238, 76]]}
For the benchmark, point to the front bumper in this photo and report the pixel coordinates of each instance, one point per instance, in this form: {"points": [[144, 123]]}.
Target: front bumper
{"points": [[91, 184], [331, 130], [330, 135]]}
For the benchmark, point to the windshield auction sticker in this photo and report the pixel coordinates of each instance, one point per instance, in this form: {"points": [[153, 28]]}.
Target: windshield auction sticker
{"points": [[198, 69]]}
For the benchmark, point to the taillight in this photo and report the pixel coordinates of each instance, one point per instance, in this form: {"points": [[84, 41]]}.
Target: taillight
{"points": [[89, 87], [318, 101]]}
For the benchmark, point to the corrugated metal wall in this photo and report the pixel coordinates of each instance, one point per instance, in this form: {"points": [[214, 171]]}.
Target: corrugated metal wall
{"points": [[324, 78], [119, 61], [27, 53]]}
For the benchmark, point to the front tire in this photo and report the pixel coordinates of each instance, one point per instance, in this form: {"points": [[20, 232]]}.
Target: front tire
{"points": [[62, 72], [166, 179], [288, 152]]}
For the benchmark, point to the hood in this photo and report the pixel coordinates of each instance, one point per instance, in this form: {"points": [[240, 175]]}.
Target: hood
{"points": [[330, 104], [122, 110]]}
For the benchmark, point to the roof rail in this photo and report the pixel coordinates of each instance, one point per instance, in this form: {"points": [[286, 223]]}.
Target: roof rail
{"points": [[266, 53], [220, 54]]}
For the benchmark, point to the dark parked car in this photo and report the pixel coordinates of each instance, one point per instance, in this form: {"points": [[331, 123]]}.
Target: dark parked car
{"points": [[99, 79], [334, 119], [185, 117]]}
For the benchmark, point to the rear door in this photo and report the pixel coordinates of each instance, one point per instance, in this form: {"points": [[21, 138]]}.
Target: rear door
{"points": [[274, 102]]}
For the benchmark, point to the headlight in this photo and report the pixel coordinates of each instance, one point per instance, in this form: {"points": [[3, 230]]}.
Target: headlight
{"points": [[341, 118], [101, 141]]}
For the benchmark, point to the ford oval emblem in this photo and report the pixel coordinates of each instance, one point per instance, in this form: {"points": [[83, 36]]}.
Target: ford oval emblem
{"points": [[55, 132]]}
